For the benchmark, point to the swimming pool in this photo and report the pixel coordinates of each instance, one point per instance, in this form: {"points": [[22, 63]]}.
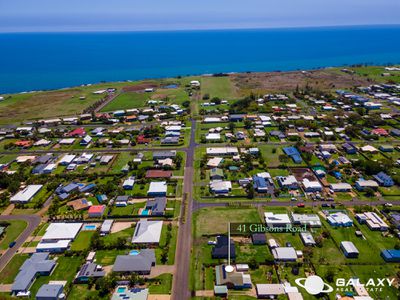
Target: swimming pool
{"points": [[145, 212], [134, 252], [121, 289], [89, 227]]}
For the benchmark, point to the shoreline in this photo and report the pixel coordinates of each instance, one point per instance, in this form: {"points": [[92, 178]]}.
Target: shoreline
{"points": [[200, 75]]}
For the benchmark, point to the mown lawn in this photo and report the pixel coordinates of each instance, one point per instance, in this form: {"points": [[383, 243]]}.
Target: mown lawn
{"points": [[161, 284], [220, 87], [11, 270], [208, 220], [15, 228], [82, 241]]}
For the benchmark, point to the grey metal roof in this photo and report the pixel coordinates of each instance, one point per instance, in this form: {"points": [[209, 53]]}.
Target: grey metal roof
{"points": [[90, 270], [49, 291], [141, 262], [157, 205], [37, 263]]}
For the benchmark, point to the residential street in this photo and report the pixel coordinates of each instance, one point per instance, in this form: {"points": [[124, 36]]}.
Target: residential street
{"points": [[33, 222], [180, 285]]}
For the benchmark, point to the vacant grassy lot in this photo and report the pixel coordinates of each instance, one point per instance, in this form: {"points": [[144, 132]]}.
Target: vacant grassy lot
{"points": [[20, 107], [220, 87], [161, 284], [82, 241], [210, 221], [127, 100], [375, 73], [12, 232]]}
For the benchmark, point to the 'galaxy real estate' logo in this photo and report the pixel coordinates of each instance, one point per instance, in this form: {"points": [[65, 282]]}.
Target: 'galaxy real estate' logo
{"points": [[314, 284]]}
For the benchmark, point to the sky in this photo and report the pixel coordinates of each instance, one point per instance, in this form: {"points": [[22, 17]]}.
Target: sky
{"points": [[138, 15]]}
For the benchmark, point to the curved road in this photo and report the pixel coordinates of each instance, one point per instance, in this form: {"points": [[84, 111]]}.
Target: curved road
{"points": [[32, 221]]}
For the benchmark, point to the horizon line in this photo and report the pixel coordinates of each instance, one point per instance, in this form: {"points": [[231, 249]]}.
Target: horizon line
{"points": [[207, 29]]}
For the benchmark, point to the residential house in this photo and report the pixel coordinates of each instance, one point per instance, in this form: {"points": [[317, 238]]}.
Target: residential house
{"points": [[349, 250], [96, 211], [362, 184], [38, 264], [139, 263], [156, 206], [220, 249], [50, 292], [220, 187], [339, 219], [89, 270], [157, 189], [147, 232], [383, 179], [232, 280]]}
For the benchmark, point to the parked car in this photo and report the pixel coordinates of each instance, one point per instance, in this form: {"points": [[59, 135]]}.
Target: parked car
{"points": [[324, 205]]}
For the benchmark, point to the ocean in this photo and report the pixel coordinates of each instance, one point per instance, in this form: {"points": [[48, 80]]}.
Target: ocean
{"points": [[36, 61]]}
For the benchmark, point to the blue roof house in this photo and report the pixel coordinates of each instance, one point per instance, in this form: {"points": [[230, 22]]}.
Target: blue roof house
{"points": [[293, 153], [384, 179], [260, 184], [391, 255]]}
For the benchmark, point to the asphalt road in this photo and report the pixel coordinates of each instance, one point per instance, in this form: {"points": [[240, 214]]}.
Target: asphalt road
{"points": [[33, 222], [180, 285]]}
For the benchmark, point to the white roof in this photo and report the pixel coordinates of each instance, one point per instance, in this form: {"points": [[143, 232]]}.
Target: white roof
{"points": [[214, 162], [264, 175], [27, 193], [369, 148], [218, 185], [67, 141], [349, 247], [340, 186], [67, 158], [212, 120], [62, 231], [270, 289], [129, 182], [311, 184], [222, 150], [53, 245], [309, 219], [287, 180], [284, 253], [339, 218], [157, 187], [50, 167], [271, 218], [367, 183], [213, 136], [147, 232]]}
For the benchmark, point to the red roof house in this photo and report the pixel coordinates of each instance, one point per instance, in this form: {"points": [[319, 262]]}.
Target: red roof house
{"points": [[380, 131], [141, 139], [158, 174], [96, 211], [78, 132], [23, 144]]}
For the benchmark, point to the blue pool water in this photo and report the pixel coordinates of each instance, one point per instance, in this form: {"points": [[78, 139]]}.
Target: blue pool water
{"points": [[90, 227], [121, 289], [145, 212], [32, 61], [134, 252]]}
